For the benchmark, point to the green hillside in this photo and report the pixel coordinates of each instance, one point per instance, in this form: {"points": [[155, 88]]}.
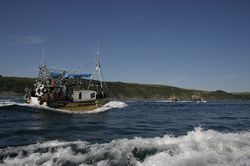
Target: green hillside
{"points": [[144, 91], [15, 86]]}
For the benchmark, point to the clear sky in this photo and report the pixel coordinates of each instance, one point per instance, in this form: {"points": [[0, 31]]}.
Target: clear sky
{"points": [[200, 44]]}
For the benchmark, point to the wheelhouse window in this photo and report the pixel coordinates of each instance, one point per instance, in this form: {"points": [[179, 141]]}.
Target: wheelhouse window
{"points": [[92, 95]]}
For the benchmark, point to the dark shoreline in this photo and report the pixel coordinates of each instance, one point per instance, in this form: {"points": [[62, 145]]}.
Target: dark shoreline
{"points": [[13, 87]]}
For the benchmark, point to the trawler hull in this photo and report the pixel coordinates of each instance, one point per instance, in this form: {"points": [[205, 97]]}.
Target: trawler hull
{"points": [[69, 105], [78, 106]]}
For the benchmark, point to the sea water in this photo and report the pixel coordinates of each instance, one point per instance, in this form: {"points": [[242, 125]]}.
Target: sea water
{"points": [[143, 133]]}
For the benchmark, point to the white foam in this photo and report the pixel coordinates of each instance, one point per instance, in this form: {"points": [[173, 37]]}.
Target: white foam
{"points": [[4, 103], [198, 147], [108, 106], [34, 101]]}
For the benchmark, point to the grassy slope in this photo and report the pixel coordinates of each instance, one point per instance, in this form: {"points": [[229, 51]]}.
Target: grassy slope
{"points": [[122, 90], [144, 91]]}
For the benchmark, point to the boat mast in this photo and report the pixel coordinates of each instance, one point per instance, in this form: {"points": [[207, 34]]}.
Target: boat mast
{"points": [[98, 69], [98, 65], [43, 71]]}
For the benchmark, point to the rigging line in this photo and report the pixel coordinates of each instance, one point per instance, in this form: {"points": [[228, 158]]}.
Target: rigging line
{"points": [[105, 84]]}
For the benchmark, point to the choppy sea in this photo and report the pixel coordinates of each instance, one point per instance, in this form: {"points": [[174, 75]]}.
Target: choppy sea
{"points": [[143, 133]]}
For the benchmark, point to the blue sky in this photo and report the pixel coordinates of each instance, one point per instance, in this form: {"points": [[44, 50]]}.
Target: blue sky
{"points": [[200, 44]]}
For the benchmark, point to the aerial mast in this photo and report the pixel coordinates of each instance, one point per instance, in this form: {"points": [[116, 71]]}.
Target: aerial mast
{"points": [[98, 71], [98, 65]]}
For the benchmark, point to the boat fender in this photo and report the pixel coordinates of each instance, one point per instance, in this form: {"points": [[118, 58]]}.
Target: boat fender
{"points": [[39, 93]]}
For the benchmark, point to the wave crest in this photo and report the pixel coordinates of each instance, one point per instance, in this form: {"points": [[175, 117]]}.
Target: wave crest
{"points": [[198, 147], [4, 103]]}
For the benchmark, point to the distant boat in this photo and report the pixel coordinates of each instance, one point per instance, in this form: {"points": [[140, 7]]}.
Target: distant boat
{"points": [[67, 90], [173, 98], [196, 98]]}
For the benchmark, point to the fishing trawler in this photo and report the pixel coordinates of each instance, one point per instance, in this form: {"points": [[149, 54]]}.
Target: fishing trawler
{"points": [[68, 90]]}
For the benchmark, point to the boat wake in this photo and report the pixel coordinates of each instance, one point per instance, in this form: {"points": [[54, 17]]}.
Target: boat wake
{"points": [[5, 103], [108, 106], [198, 147]]}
